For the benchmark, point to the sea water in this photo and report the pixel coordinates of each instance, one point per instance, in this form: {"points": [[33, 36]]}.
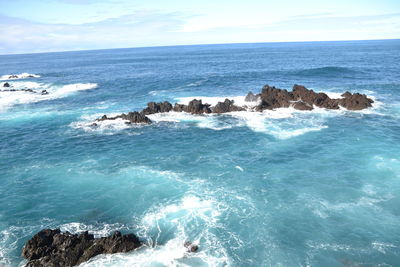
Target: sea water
{"points": [[278, 188]]}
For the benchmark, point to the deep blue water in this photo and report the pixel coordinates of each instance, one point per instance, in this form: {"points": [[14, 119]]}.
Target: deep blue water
{"points": [[282, 188]]}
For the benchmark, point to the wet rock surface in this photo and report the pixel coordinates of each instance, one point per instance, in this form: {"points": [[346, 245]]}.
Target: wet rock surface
{"points": [[153, 107], [226, 106], [131, 117], [52, 248]]}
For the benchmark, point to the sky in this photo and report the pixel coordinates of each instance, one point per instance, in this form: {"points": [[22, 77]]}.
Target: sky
{"points": [[30, 26]]}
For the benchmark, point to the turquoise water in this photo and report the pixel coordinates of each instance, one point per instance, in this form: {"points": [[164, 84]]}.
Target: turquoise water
{"points": [[282, 188]]}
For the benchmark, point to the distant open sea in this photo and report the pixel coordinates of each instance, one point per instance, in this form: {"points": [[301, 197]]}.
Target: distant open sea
{"points": [[279, 188]]}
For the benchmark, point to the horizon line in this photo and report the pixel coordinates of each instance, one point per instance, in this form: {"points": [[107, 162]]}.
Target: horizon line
{"points": [[177, 45]]}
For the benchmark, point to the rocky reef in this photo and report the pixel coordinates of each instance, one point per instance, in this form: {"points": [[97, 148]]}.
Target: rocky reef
{"points": [[52, 248], [269, 98], [304, 99], [131, 117], [10, 89]]}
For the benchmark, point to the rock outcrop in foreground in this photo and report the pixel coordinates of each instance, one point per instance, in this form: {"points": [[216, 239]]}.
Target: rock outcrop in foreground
{"points": [[299, 98], [52, 248]]}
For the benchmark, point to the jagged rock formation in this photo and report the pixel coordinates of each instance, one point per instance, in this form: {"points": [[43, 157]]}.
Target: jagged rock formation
{"points": [[153, 107], [299, 98], [226, 106], [304, 99], [131, 117], [52, 248], [6, 85]]}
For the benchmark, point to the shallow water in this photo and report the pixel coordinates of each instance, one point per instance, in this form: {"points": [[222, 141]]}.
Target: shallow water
{"points": [[279, 188]]}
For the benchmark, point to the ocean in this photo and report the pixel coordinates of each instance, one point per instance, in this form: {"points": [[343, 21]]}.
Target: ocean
{"points": [[279, 188]]}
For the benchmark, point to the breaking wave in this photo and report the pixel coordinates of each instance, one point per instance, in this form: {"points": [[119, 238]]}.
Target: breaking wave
{"points": [[330, 71], [18, 76], [30, 92]]}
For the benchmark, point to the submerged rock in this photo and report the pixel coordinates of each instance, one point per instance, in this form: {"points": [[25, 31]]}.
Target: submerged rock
{"points": [[191, 247], [6, 85], [51, 248], [44, 92]]}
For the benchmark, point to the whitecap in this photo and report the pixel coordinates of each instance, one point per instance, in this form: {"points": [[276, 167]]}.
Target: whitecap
{"points": [[178, 218], [382, 246], [98, 230], [11, 98], [18, 76], [239, 168], [106, 126]]}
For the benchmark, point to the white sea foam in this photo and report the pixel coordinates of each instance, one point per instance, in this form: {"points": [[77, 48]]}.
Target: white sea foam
{"points": [[97, 231], [264, 122], [239, 168], [238, 100], [383, 247], [18, 76], [179, 219], [9, 99], [281, 123], [106, 126], [89, 124]]}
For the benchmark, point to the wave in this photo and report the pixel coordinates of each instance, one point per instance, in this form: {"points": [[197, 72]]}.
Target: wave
{"points": [[281, 123], [330, 71], [101, 230], [167, 228], [167, 92], [11, 98], [18, 76], [89, 124]]}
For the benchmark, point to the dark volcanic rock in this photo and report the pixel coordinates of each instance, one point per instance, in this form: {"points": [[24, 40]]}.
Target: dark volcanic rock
{"points": [[197, 107], [272, 97], [132, 117], [346, 94], [153, 107], [300, 105], [179, 107], [355, 101], [136, 117], [226, 106], [299, 98], [191, 247], [44, 92], [51, 248], [312, 98], [250, 97], [6, 85]]}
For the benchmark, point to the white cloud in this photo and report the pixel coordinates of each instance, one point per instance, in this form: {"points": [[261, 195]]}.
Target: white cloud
{"points": [[153, 28]]}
